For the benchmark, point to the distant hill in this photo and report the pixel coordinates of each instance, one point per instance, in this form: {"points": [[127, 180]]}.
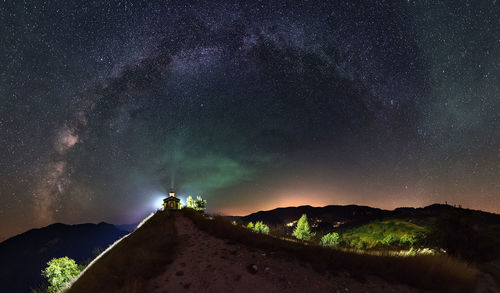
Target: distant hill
{"points": [[25, 255], [478, 239], [436, 210], [330, 214], [355, 214]]}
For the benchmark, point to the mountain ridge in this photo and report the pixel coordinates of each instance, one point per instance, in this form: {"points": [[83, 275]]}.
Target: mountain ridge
{"points": [[26, 254]]}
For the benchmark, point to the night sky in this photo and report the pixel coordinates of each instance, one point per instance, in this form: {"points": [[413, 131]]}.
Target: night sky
{"points": [[105, 105]]}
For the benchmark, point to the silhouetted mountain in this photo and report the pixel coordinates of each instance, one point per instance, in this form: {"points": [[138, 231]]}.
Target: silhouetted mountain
{"points": [[25, 255], [127, 227], [329, 214], [438, 210], [358, 214]]}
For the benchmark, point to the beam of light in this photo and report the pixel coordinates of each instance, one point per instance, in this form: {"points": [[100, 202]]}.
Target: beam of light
{"points": [[157, 201], [154, 201]]}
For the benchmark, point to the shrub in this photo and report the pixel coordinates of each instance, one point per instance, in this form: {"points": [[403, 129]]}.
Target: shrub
{"points": [[303, 231], [330, 239], [198, 204], [389, 239], [260, 227], [406, 239], [60, 271]]}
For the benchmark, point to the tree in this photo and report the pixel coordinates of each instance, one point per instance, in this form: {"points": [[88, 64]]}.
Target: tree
{"points": [[250, 225], [200, 204], [303, 231], [190, 202], [330, 239], [60, 271], [260, 227]]}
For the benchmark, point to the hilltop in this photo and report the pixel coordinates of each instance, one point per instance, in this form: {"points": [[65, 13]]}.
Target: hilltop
{"points": [[189, 251]]}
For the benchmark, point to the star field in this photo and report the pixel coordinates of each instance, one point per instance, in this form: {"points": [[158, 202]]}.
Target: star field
{"points": [[104, 105]]}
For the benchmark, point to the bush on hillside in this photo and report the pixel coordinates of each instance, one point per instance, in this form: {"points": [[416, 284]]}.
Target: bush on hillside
{"points": [[390, 239], [260, 227], [330, 240], [60, 271], [406, 239], [198, 204]]}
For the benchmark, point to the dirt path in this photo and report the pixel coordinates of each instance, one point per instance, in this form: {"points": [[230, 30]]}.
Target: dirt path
{"points": [[208, 264]]}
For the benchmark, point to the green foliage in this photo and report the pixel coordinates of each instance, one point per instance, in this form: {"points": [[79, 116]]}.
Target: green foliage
{"points": [[198, 204], [60, 271], [330, 239], [260, 227], [359, 245], [407, 239], [389, 232], [190, 202], [390, 239], [303, 231]]}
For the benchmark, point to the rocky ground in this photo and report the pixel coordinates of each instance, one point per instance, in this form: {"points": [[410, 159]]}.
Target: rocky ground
{"points": [[204, 263]]}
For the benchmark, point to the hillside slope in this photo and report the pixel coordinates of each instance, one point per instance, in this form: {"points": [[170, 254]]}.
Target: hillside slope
{"points": [[188, 251], [205, 263], [129, 265]]}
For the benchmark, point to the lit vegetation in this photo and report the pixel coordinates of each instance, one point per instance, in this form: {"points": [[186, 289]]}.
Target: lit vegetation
{"points": [[59, 272], [135, 260], [387, 233], [259, 227], [440, 273], [198, 204], [330, 240], [303, 231]]}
